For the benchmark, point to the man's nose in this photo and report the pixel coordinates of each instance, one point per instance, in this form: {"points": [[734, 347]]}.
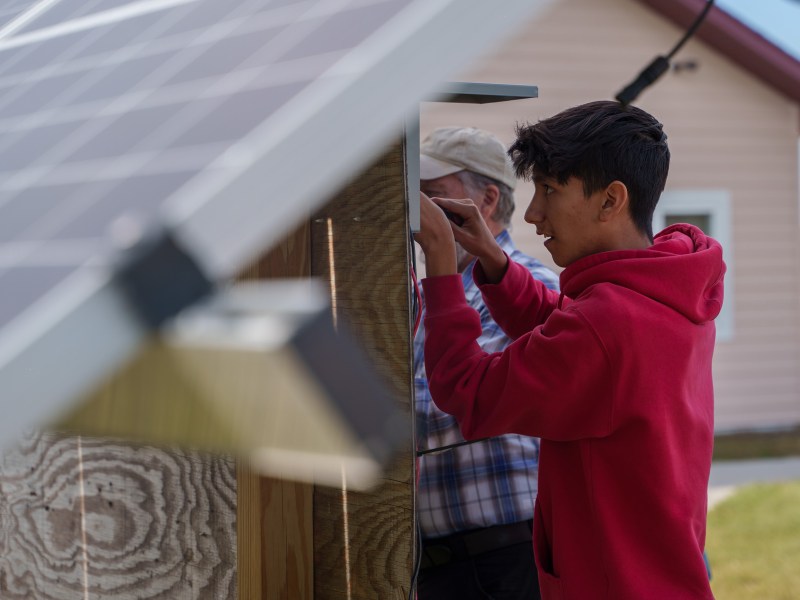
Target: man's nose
{"points": [[534, 214]]}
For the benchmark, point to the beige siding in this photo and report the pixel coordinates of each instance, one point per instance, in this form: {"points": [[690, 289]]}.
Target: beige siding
{"points": [[727, 131]]}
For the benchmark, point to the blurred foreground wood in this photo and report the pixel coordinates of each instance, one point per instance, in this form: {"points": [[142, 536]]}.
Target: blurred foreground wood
{"points": [[83, 517]]}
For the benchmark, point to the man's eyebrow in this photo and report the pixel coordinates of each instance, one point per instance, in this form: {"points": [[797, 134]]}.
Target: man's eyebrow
{"points": [[541, 178]]}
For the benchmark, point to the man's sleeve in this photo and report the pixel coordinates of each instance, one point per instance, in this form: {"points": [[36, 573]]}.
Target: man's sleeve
{"points": [[553, 382], [518, 303]]}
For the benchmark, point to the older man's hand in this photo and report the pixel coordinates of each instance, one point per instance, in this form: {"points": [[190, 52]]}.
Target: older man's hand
{"points": [[472, 233], [436, 239]]}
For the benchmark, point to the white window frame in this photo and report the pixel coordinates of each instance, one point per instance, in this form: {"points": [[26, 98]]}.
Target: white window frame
{"points": [[716, 204]]}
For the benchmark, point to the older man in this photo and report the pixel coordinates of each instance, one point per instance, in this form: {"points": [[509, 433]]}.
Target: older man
{"points": [[475, 501]]}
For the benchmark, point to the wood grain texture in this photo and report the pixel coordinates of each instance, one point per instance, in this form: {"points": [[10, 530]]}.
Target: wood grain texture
{"points": [[288, 540], [363, 541], [248, 533], [291, 257], [275, 536], [83, 518]]}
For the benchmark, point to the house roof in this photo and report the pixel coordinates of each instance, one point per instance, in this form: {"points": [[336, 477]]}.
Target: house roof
{"points": [[737, 41]]}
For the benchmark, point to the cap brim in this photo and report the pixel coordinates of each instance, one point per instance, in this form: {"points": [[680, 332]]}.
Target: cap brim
{"points": [[432, 168]]}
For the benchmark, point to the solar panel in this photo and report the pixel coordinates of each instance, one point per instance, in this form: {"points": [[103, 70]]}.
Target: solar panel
{"points": [[226, 122], [112, 110], [15, 14]]}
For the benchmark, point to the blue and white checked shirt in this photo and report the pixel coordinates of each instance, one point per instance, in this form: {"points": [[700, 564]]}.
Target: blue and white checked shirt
{"points": [[485, 483]]}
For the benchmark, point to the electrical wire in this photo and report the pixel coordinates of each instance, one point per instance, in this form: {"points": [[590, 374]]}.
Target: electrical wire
{"points": [[660, 64], [412, 592], [690, 32], [417, 305], [450, 446]]}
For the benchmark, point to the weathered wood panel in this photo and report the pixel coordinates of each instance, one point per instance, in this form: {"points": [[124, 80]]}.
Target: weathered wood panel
{"points": [[83, 518], [360, 244]]}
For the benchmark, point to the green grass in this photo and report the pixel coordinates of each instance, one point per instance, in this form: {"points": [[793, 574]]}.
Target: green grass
{"points": [[740, 446], [753, 543]]}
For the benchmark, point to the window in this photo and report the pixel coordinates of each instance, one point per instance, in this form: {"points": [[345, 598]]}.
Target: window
{"points": [[710, 210]]}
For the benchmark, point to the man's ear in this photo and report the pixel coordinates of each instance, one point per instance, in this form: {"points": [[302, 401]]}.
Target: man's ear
{"points": [[491, 196], [615, 201]]}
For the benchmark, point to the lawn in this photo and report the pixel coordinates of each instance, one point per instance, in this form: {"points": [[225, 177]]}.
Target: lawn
{"points": [[753, 543], [757, 444]]}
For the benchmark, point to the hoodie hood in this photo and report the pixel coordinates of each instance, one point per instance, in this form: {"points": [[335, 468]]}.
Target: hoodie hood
{"points": [[681, 253]]}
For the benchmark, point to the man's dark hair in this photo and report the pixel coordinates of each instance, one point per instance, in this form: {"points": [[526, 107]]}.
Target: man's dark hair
{"points": [[599, 142]]}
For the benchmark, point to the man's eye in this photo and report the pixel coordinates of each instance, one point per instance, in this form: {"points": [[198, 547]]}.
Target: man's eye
{"points": [[547, 189]]}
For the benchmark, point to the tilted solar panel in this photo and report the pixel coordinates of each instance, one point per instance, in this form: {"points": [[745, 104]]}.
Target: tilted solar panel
{"points": [[111, 119], [226, 122]]}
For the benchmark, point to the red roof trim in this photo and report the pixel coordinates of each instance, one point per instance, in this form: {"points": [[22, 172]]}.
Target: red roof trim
{"points": [[736, 40]]}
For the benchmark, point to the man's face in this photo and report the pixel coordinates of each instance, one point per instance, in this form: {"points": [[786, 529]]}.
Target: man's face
{"points": [[568, 219], [448, 186]]}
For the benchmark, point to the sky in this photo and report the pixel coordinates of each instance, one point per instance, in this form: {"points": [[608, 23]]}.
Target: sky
{"points": [[776, 20]]}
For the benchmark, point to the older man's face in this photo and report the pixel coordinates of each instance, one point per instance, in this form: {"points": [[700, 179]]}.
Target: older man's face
{"points": [[449, 186]]}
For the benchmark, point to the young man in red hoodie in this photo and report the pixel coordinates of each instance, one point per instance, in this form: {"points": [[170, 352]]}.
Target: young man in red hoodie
{"points": [[613, 374]]}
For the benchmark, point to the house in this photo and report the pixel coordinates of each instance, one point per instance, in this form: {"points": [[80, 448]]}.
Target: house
{"points": [[731, 107]]}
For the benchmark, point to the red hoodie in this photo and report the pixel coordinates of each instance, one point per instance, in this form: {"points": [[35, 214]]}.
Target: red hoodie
{"points": [[615, 377]]}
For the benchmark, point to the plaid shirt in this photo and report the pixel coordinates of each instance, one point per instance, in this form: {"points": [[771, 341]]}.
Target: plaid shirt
{"points": [[485, 483]]}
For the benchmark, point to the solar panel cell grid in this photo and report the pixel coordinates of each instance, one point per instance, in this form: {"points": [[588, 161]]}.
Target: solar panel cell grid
{"points": [[29, 285], [106, 113], [11, 10], [23, 210], [19, 150], [64, 10], [137, 198]]}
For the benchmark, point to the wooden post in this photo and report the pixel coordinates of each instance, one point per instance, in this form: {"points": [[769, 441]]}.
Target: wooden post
{"points": [[324, 543], [274, 525], [360, 243]]}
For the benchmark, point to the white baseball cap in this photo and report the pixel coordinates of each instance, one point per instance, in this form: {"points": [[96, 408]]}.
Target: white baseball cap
{"points": [[451, 149]]}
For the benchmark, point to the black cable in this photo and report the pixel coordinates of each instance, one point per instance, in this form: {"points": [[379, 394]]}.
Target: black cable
{"points": [[450, 446], [660, 64], [690, 32], [412, 592]]}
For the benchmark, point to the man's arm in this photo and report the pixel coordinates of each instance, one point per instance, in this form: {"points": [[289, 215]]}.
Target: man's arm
{"points": [[518, 302], [510, 288], [554, 382]]}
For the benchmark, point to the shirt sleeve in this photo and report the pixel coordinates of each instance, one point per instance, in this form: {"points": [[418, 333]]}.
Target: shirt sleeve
{"points": [[519, 302], [553, 382]]}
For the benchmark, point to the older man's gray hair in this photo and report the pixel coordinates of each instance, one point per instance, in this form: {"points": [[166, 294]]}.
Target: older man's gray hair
{"points": [[475, 184]]}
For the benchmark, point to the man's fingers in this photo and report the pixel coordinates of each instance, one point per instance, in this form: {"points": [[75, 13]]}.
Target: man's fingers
{"points": [[457, 205]]}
